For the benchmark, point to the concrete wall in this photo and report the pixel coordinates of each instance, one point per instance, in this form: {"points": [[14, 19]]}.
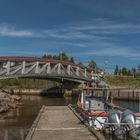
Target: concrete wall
{"points": [[126, 94]]}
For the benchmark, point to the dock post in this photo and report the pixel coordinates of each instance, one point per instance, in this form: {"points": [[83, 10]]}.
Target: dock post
{"points": [[128, 95], [118, 92]]}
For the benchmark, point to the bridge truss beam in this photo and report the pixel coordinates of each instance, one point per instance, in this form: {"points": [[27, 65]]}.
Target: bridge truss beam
{"points": [[44, 69]]}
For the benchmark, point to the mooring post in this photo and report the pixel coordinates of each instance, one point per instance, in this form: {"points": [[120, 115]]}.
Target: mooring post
{"points": [[118, 92], [133, 94]]}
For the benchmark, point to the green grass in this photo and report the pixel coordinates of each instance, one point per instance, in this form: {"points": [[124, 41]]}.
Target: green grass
{"points": [[27, 84], [127, 81]]}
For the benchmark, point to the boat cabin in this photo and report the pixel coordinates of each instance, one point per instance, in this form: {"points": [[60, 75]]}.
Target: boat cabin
{"points": [[93, 99]]}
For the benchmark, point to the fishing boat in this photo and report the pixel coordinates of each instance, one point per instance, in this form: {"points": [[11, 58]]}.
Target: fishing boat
{"points": [[96, 107]]}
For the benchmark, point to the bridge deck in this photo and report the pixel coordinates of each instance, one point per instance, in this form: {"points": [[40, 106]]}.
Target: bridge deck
{"points": [[58, 123]]}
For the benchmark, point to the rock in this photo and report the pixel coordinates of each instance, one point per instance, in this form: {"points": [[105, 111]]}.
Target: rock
{"points": [[15, 97], [8, 97], [8, 101], [4, 97], [3, 109], [12, 105]]}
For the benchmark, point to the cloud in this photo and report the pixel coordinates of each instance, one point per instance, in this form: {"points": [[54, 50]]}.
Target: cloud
{"points": [[105, 26], [10, 31], [96, 29], [95, 35], [7, 30], [112, 52]]}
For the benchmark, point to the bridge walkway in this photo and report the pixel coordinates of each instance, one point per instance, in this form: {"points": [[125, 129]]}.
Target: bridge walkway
{"points": [[58, 123]]}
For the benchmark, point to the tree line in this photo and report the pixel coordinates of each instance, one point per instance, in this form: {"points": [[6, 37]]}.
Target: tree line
{"points": [[64, 57], [127, 72], [61, 56]]}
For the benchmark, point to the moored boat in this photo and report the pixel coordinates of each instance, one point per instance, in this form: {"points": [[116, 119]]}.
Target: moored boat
{"points": [[96, 107]]}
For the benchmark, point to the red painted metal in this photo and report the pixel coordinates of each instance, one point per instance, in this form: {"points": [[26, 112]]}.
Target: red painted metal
{"points": [[137, 114]]}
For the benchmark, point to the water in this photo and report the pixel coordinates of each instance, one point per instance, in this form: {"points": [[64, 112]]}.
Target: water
{"points": [[132, 105], [17, 122]]}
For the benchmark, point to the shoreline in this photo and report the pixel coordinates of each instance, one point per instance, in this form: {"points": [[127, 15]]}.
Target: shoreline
{"points": [[126, 94], [117, 94]]}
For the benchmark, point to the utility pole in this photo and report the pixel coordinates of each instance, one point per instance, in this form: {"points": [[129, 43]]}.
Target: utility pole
{"points": [[106, 63]]}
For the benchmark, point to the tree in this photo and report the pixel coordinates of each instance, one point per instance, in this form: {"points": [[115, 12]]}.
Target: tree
{"points": [[47, 56], [44, 56], [55, 57], [63, 57], [92, 65], [138, 69], [116, 72], [124, 71], [80, 63], [134, 72], [72, 59], [129, 72], [120, 72]]}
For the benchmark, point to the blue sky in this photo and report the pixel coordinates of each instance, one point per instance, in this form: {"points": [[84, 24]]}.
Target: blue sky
{"points": [[85, 29]]}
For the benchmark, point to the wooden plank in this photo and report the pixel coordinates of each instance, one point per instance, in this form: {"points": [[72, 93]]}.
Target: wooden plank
{"points": [[59, 123]]}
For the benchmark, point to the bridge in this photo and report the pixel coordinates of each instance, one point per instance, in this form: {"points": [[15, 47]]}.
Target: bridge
{"points": [[31, 67]]}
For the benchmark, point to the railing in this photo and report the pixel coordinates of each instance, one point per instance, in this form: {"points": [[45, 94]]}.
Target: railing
{"points": [[11, 67]]}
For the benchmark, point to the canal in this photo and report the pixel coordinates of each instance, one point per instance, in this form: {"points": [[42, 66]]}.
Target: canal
{"points": [[16, 123]]}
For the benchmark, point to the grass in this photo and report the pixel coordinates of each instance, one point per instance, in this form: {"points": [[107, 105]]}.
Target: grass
{"points": [[124, 81], [27, 84]]}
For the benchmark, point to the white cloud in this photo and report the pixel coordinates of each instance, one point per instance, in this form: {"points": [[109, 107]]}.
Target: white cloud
{"points": [[10, 31], [105, 26], [112, 51], [92, 35], [95, 29]]}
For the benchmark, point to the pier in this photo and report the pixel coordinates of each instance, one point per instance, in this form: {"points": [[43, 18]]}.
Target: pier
{"points": [[58, 123]]}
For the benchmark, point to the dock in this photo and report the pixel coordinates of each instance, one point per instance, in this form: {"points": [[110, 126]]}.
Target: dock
{"points": [[58, 123]]}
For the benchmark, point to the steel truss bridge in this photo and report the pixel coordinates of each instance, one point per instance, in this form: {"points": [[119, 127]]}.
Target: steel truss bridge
{"points": [[31, 67]]}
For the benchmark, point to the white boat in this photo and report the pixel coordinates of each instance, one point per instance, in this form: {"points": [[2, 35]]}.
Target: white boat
{"points": [[96, 107]]}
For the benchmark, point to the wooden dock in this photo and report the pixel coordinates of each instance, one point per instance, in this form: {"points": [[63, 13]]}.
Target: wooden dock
{"points": [[58, 123]]}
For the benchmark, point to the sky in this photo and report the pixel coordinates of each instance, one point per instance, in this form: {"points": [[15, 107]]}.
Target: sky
{"points": [[102, 30]]}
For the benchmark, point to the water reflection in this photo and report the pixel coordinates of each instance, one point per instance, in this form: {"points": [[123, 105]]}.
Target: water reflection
{"points": [[132, 105], [12, 134], [16, 123]]}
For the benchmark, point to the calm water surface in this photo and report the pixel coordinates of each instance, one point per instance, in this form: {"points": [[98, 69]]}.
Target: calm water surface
{"points": [[17, 122]]}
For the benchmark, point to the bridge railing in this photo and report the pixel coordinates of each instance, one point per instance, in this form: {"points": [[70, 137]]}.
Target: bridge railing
{"points": [[26, 68]]}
